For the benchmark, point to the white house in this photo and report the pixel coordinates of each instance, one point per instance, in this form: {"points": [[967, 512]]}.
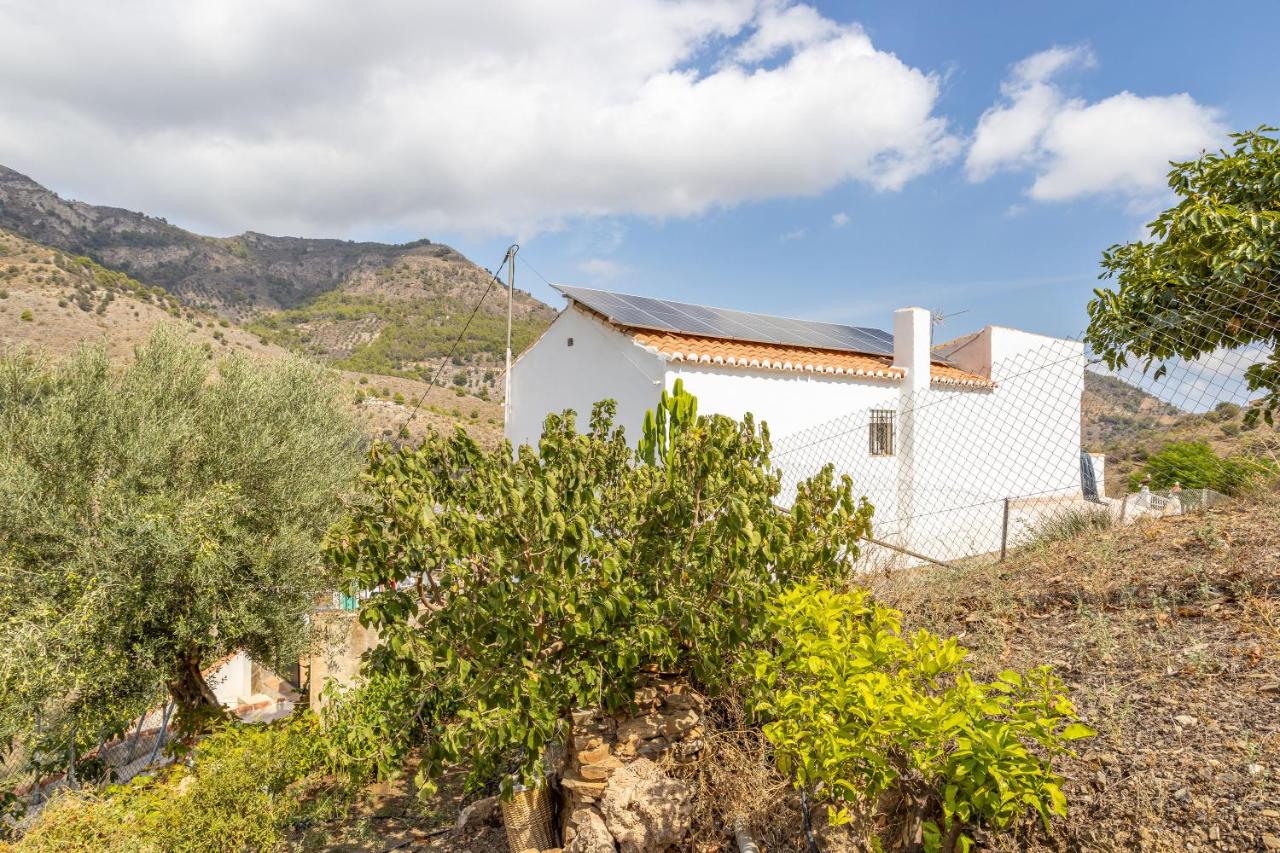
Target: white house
{"points": [[941, 438]]}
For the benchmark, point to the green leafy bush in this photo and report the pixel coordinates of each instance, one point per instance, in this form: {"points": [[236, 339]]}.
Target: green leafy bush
{"points": [[858, 712], [243, 791], [534, 583], [1195, 465], [369, 730]]}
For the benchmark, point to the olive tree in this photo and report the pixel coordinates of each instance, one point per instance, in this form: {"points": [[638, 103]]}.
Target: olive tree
{"points": [[1210, 277], [156, 518], [521, 585]]}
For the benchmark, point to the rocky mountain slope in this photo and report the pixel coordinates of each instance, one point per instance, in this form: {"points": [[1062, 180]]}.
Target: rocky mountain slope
{"points": [[1128, 425], [366, 306], [57, 302], [1116, 411]]}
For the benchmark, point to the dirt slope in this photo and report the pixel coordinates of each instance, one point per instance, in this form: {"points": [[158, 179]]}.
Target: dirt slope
{"points": [[1168, 637]]}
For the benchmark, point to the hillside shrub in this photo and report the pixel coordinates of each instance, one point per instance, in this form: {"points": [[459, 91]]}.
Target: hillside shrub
{"points": [[1195, 465], [244, 789], [536, 582], [861, 714]]}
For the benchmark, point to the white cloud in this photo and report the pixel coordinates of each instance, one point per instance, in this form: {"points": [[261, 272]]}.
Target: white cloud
{"points": [[602, 268], [793, 234], [839, 220], [331, 116], [1120, 145], [780, 27]]}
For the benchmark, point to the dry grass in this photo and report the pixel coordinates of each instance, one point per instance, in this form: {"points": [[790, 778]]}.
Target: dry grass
{"points": [[35, 284], [1168, 619]]}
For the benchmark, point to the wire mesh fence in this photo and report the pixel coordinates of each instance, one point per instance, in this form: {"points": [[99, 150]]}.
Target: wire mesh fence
{"points": [[37, 774], [1052, 443]]}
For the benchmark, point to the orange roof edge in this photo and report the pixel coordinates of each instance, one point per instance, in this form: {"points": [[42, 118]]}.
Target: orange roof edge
{"points": [[699, 349]]}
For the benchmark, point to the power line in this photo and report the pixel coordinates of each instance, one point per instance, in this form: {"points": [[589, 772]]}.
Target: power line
{"points": [[452, 349], [534, 270]]}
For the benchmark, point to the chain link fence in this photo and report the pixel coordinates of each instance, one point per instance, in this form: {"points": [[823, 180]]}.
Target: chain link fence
{"points": [[35, 775], [1054, 444]]}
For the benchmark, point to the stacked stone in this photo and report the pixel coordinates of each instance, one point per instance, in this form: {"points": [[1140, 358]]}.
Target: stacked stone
{"points": [[616, 796]]}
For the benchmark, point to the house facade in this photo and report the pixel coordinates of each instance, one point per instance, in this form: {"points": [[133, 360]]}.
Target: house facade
{"points": [[938, 438]]}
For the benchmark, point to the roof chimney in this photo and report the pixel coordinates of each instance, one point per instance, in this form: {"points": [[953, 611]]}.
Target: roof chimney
{"points": [[912, 333]]}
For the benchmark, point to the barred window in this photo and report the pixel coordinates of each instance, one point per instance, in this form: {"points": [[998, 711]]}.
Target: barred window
{"points": [[881, 432]]}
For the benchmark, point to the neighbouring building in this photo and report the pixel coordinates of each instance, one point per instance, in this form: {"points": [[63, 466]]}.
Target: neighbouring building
{"points": [[960, 446]]}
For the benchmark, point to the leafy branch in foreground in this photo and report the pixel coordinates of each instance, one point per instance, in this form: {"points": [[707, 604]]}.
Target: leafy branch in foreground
{"points": [[525, 586], [1211, 278], [856, 710]]}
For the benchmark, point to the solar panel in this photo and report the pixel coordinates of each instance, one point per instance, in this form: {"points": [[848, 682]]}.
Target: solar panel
{"points": [[664, 315]]}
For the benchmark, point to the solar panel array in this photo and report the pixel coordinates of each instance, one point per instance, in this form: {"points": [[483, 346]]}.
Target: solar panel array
{"points": [[664, 315]]}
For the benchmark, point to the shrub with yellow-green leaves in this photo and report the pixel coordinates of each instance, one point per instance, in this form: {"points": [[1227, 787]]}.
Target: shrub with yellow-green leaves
{"points": [[242, 792], [857, 710]]}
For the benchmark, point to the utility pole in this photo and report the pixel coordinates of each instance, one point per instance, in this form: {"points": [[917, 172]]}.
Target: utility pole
{"points": [[511, 291]]}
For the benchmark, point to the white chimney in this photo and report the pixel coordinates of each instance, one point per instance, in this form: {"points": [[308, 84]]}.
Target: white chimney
{"points": [[912, 333]]}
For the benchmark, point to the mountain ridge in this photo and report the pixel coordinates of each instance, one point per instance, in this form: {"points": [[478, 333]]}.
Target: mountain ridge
{"points": [[374, 307]]}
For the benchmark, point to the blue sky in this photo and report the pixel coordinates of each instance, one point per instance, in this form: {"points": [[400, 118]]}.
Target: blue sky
{"points": [[942, 241], [831, 161]]}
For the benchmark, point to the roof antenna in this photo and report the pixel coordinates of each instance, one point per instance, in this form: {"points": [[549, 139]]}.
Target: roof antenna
{"points": [[937, 318]]}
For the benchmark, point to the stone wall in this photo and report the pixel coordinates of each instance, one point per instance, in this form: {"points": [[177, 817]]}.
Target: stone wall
{"points": [[338, 642], [617, 793]]}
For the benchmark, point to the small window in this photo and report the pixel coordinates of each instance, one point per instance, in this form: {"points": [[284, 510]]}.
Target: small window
{"points": [[881, 432], [570, 341]]}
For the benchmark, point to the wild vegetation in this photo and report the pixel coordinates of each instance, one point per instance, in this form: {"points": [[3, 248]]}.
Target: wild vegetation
{"points": [[873, 721], [402, 337], [553, 576], [1208, 278], [1164, 635], [1194, 465], [59, 302], [154, 520]]}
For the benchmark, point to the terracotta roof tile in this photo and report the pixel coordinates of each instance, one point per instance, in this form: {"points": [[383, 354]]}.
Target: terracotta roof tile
{"points": [[720, 351]]}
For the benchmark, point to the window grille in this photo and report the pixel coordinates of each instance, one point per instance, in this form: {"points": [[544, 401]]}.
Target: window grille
{"points": [[881, 432]]}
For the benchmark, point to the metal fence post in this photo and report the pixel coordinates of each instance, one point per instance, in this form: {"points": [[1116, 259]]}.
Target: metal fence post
{"points": [[164, 731], [133, 741], [71, 759], [1004, 532]]}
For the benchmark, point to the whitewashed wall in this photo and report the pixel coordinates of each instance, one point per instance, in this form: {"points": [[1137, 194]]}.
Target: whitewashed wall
{"points": [[1019, 440], [962, 451], [552, 376], [232, 681], [788, 401]]}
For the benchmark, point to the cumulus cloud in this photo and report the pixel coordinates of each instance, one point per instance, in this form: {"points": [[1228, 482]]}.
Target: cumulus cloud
{"points": [[1120, 145], [331, 116], [839, 220], [780, 27]]}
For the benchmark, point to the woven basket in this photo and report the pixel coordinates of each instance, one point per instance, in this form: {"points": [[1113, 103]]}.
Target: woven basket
{"points": [[527, 818]]}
